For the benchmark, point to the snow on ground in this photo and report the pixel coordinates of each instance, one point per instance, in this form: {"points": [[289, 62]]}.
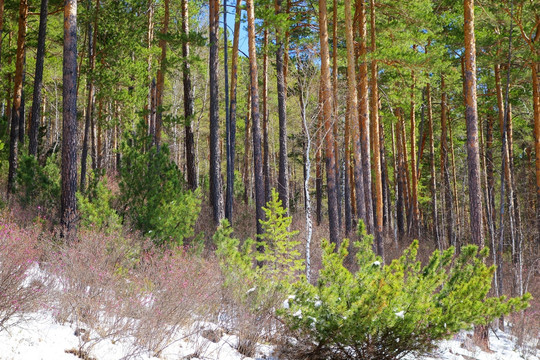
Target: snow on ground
{"points": [[41, 337]]}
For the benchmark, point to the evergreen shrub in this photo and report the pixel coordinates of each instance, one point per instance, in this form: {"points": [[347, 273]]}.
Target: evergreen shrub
{"points": [[153, 194], [389, 311]]}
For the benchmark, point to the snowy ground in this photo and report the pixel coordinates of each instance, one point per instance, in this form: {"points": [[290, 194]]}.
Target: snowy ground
{"points": [[41, 337]]}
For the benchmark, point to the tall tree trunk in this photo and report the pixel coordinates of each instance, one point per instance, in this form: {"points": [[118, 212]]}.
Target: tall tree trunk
{"points": [[188, 102], [536, 104], [229, 197], [17, 97], [335, 103], [265, 115], [318, 159], [363, 111], [69, 128], [257, 156], [352, 116], [246, 173], [333, 216], [433, 180], [400, 175], [38, 81], [216, 196], [473, 154], [1, 30], [283, 176], [445, 171], [413, 221], [374, 114], [92, 36], [160, 77]]}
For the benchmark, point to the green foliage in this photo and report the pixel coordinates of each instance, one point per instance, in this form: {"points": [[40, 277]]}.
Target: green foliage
{"points": [[386, 312], [95, 208], [152, 193], [39, 185], [279, 252]]}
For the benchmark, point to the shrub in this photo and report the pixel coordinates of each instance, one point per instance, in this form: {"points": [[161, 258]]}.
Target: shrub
{"points": [[152, 193], [39, 184], [385, 312], [20, 288], [95, 208], [255, 283]]}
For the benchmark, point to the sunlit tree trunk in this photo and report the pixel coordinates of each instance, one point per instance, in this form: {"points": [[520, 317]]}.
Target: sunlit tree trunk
{"points": [[38, 81], [216, 196], [257, 156], [265, 115], [352, 115], [433, 179], [92, 36], [188, 102], [69, 133], [413, 221], [16, 112], [318, 160], [283, 176], [374, 119], [333, 217], [246, 174], [363, 111], [473, 154], [445, 171]]}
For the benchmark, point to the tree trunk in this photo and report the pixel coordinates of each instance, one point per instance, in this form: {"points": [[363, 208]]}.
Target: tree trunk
{"points": [[335, 103], [188, 102], [333, 216], [265, 115], [318, 160], [229, 197], [352, 115], [160, 77], [374, 114], [17, 97], [257, 156], [473, 154], [445, 172], [216, 196], [38, 81], [92, 35], [433, 180], [69, 128], [283, 176], [363, 112], [400, 176], [246, 174], [413, 221], [536, 104]]}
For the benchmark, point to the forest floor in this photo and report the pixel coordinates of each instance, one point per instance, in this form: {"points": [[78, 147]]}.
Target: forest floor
{"points": [[41, 336]]}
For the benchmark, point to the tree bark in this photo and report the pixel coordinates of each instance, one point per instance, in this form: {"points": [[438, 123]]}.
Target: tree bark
{"points": [[374, 119], [433, 179], [92, 35], [229, 197], [17, 97], [38, 81], [363, 112], [473, 154], [69, 128], [257, 156], [333, 216], [318, 160], [445, 172], [160, 77], [413, 221], [188, 102], [265, 115], [216, 195], [283, 176]]}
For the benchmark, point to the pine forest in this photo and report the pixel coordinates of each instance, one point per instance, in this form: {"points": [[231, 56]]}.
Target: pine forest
{"points": [[327, 179]]}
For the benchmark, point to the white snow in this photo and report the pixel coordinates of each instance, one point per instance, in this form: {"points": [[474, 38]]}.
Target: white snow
{"points": [[41, 337]]}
